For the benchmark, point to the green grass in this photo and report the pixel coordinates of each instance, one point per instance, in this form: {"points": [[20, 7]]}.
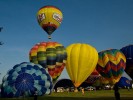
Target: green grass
{"points": [[89, 95]]}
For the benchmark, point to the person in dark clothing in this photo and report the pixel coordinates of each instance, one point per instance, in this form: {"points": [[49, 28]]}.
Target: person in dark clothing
{"points": [[116, 92], [35, 95]]}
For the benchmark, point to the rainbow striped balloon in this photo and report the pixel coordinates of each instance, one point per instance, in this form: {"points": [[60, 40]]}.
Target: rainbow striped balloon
{"points": [[111, 64], [51, 55]]}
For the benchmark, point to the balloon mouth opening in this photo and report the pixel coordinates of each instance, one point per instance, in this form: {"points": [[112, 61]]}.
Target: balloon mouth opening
{"points": [[77, 84], [113, 81], [49, 28]]}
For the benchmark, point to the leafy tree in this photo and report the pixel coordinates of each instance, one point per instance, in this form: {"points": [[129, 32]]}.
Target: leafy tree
{"points": [[1, 43]]}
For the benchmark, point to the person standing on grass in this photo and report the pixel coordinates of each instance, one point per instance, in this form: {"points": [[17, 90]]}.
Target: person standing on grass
{"points": [[82, 90], [116, 92], [68, 90], [35, 95]]}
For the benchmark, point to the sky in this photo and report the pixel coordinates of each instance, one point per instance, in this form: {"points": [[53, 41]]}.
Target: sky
{"points": [[103, 24]]}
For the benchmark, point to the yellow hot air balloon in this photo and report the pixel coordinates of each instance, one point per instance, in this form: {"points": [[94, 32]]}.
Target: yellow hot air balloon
{"points": [[81, 61], [49, 18]]}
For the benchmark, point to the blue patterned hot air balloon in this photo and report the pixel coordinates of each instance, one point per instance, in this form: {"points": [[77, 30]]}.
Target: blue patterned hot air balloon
{"points": [[124, 82], [25, 79], [128, 52]]}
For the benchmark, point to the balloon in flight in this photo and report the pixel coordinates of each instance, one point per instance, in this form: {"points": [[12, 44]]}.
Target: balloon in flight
{"points": [[49, 18]]}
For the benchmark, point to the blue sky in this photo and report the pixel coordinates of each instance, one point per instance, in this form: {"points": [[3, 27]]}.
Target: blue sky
{"points": [[103, 24]]}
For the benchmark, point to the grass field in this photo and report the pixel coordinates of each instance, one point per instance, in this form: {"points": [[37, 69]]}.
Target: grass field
{"points": [[89, 95]]}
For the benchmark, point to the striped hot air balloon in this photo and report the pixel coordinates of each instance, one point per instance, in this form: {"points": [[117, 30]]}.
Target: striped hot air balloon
{"points": [[51, 55], [111, 64]]}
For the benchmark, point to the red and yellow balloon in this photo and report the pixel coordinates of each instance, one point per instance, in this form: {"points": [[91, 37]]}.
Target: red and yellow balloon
{"points": [[49, 18], [93, 77]]}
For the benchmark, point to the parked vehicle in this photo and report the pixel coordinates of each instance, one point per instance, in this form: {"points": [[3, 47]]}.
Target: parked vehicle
{"points": [[90, 88], [60, 89]]}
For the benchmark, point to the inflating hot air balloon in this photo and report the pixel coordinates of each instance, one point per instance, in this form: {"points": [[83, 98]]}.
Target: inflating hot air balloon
{"points": [[49, 18], [100, 82], [111, 64], [25, 79], [128, 52], [103, 80], [81, 61], [93, 77], [51, 55], [124, 82]]}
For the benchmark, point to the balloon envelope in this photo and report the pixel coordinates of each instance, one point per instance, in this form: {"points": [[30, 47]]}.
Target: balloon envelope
{"points": [[81, 61], [49, 18], [93, 77], [111, 64], [25, 79], [124, 82], [128, 52], [100, 81], [51, 55]]}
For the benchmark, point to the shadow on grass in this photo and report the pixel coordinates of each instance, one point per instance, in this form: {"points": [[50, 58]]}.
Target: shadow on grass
{"points": [[83, 98], [68, 98]]}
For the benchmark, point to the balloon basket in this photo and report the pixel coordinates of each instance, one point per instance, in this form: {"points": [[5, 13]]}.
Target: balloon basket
{"points": [[49, 37]]}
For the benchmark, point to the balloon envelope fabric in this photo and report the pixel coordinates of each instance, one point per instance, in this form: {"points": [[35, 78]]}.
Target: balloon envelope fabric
{"points": [[51, 55], [128, 52], [124, 82], [25, 79], [49, 18], [111, 64], [93, 77], [81, 61]]}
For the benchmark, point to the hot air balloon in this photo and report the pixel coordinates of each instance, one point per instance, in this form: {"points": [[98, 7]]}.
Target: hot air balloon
{"points": [[24, 79], [103, 80], [49, 18], [124, 82], [100, 82], [128, 52], [51, 55], [81, 61], [93, 77], [111, 64]]}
